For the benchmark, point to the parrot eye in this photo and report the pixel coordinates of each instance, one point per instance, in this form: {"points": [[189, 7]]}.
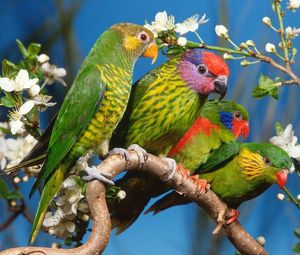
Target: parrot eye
{"points": [[143, 37], [202, 69], [237, 115], [267, 160]]}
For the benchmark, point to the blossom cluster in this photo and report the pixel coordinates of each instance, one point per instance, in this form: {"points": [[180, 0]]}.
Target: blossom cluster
{"points": [[12, 151], [71, 206], [23, 89], [163, 23]]}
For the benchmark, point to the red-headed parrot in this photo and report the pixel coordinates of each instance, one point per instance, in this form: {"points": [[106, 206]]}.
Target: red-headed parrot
{"points": [[92, 108], [220, 122], [238, 172]]}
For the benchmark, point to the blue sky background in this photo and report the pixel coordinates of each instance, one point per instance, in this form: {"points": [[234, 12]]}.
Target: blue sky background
{"points": [[181, 230]]}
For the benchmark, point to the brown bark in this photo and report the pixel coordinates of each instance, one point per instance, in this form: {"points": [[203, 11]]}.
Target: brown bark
{"points": [[115, 164]]}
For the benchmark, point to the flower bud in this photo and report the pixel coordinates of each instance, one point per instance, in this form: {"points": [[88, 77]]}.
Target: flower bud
{"points": [[261, 240], [182, 41], [43, 58], [227, 56], [250, 43], [245, 63], [267, 21], [17, 180], [280, 196], [121, 194]]}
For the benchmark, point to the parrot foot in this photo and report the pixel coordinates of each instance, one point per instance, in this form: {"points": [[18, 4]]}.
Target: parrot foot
{"points": [[120, 151], [233, 217], [141, 153], [202, 184], [94, 174], [184, 172], [172, 167]]}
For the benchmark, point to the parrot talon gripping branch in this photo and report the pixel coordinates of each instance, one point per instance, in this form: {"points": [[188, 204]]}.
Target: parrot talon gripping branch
{"points": [[93, 174]]}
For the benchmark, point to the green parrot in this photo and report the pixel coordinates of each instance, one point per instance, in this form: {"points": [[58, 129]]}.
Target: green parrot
{"points": [[237, 172], [220, 122], [91, 110]]}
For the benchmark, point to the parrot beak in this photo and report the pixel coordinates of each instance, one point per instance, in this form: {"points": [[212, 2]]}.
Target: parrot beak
{"points": [[151, 52], [240, 128], [221, 86], [281, 177]]}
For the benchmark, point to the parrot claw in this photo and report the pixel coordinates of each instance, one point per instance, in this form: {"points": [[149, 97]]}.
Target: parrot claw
{"points": [[122, 152], [233, 217], [202, 184], [172, 167], [94, 174], [141, 153], [184, 172]]}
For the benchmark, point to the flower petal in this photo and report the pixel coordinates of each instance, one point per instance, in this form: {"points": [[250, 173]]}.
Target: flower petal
{"points": [[6, 84], [15, 126], [26, 107]]}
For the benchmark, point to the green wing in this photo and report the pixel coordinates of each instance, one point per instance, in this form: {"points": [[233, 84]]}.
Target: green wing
{"points": [[219, 157], [72, 119]]}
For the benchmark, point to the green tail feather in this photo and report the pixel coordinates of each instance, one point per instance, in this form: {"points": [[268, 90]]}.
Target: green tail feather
{"points": [[49, 191]]}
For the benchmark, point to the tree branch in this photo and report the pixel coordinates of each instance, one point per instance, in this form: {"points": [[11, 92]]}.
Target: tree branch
{"points": [[115, 164]]}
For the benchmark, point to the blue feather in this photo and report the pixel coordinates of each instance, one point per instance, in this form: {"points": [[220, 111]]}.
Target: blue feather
{"points": [[226, 119]]}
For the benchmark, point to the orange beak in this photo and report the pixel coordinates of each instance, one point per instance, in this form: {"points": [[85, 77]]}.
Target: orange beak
{"points": [[281, 177], [151, 52]]}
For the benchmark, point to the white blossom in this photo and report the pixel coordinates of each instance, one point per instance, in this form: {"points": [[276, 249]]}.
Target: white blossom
{"points": [[288, 142], [162, 22], [59, 224], [16, 149], [280, 196], [53, 73], [190, 25], [298, 197], [16, 117], [261, 240], [270, 47], [267, 21], [294, 4], [70, 205], [42, 102], [182, 41], [43, 58], [291, 33], [21, 82], [221, 31]]}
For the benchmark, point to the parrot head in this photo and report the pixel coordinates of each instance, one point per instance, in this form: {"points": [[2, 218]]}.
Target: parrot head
{"points": [[265, 163], [234, 117], [204, 72], [137, 40], [228, 115]]}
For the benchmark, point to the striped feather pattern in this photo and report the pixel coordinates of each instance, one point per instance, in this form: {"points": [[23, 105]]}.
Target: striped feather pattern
{"points": [[118, 86], [166, 109]]}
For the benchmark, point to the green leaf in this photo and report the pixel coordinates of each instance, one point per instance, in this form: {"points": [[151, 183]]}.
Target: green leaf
{"points": [[265, 87], [6, 194], [22, 48], [8, 67], [8, 101], [3, 189], [297, 248], [297, 232], [33, 50]]}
